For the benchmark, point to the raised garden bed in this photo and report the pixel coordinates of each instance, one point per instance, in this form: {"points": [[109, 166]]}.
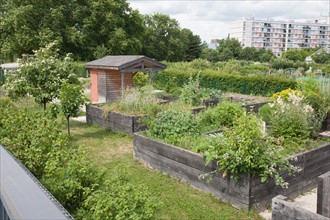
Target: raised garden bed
{"points": [[113, 120], [248, 192]]}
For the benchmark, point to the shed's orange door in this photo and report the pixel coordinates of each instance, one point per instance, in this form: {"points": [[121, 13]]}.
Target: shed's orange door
{"points": [[94, 93]]}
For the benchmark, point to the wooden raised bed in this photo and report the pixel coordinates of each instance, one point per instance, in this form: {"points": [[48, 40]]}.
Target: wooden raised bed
{"points": [[248, 192], [113, 120]]}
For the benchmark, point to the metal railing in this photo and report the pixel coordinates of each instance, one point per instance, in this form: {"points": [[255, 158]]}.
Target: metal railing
{"points": [[22, 196]]}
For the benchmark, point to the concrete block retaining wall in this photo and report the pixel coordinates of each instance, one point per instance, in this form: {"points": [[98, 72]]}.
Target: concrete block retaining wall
{"points": [[248, 192]]}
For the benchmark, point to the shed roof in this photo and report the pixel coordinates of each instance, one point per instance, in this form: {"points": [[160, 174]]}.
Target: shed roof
{"points": [[128, 62]]}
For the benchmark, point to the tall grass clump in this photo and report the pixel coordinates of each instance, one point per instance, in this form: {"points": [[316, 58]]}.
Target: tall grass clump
{"points": [[136, 101]]}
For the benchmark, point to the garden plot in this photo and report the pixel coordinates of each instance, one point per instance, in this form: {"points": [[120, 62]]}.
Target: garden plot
{"points": [[250, 161], [248, 191]]}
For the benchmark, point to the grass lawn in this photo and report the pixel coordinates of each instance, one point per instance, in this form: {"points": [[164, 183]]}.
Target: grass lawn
{"points": [[177, 200]]}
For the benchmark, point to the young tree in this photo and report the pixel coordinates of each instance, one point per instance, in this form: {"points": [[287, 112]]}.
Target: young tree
{"points": [[41, 76], [71, 99]]}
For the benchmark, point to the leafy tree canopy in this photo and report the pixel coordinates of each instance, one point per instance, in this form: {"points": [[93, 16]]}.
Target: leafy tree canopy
{"points": [[92, 29], [41, 76]]}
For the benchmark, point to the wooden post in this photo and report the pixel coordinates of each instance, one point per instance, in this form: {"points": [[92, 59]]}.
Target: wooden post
{"points": [[323, 195], [122, 84]]}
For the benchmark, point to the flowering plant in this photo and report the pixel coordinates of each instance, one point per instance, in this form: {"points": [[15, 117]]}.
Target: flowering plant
{"points": [[291, 117]]}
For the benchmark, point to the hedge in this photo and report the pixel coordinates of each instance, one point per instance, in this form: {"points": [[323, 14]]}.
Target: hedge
{"points": [[172, 79]]}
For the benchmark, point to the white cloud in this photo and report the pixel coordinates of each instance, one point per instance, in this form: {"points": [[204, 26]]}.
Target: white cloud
{"points": [[210, 19]]}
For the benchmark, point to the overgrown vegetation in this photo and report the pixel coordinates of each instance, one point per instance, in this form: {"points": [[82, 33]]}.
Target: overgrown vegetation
{"points": [[36, 139], [247, 149]]}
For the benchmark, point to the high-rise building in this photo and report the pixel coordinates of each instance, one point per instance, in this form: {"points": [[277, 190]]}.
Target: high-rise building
{"points": [[281, 35]]}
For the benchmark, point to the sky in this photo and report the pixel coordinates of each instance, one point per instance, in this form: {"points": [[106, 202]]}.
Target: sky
{"points": [[211, 19]]}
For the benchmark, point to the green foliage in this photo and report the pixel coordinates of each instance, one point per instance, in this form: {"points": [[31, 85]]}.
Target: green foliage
{"points": [[118, 200], [79, 27], [321, 58], [282, 63], [292, 118], [191, 92], [212, 55], [140, 79], [256, 54], [222, 115], [42, 76], [71, 98], [78, 68], [165, 40], [247, 149], [29, 136], [229, 48], [176, 75], [2, 77], [38, 142], [171, 125], [136, 102], [265, 113], [298, 54], [70, 177]]}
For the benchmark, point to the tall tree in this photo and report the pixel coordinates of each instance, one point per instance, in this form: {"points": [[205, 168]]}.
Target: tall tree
{"points": [[163, 38], [112, 27], [194, 45], [81, 27], [229, 48]]}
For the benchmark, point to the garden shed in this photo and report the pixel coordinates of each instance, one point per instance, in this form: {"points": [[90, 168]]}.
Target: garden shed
{"points": [[110, 75]]}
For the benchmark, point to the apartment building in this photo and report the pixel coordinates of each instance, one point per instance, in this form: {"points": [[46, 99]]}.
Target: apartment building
{"points": [[281, 35]]}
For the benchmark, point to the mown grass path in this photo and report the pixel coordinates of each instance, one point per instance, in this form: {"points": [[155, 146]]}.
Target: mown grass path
{"points": [[177, 200]]}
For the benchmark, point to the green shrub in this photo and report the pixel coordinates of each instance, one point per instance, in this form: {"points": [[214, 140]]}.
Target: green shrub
{"points": [[140, 79], [38, 142], [70, 176], [118, 200], [265, 113], [79, 69], [224, 114], [172, 79], [247, 149], [171, 125]]}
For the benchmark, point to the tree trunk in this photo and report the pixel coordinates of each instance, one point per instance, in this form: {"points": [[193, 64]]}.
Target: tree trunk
{"points": [[44, 102], [68, 122]]}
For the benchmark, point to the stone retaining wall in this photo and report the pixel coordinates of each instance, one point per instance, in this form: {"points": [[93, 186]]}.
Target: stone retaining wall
{"points": [[248, 192]]}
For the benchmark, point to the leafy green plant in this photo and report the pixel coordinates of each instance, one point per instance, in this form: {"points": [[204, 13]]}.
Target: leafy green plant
{"points": [[265, 113], [70, 176], [247, 149], [118, 200], [140, 79], [291, 118], [171, 125], [222, 115], [191, 92]]}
